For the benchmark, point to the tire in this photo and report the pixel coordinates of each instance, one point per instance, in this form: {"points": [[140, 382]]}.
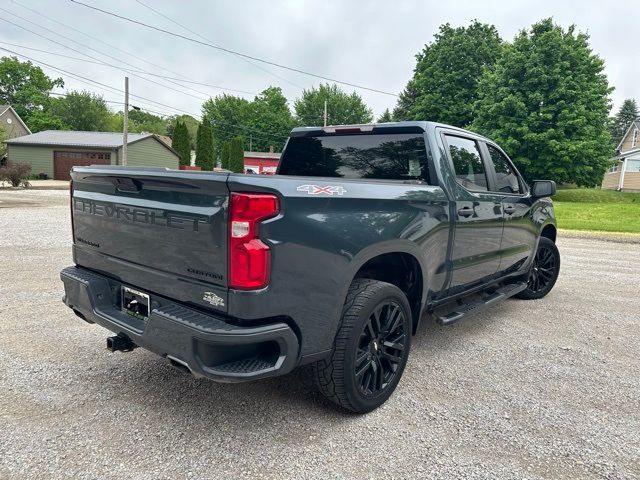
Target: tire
{"points": [[544, 271], [374, 338]]}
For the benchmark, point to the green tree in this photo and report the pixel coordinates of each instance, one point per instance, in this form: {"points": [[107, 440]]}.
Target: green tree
{"points": [[385, 117], [406, 100], [25, 87], [620, 123], [141, 121], [83, 111], [204, 147], [229, 115], [236, 155], [191, 123], [546, 102], [270, 121], [181, 143], [445, 80], [266, 120], [224, 155], [342, 108], [44, 120]]}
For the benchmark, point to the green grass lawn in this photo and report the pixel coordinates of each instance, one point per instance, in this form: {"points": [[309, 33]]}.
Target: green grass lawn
{"points": [[595, 209], [595, 195]]}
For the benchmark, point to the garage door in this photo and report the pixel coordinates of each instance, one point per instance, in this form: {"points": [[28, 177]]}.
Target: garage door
{"points": [[63, 161]]}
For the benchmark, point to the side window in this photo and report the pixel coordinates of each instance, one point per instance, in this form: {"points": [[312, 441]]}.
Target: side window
{"points": [[467, 163], [506, 179]]}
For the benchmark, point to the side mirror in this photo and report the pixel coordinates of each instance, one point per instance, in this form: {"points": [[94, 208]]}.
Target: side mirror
{"points": [[543, 188]]}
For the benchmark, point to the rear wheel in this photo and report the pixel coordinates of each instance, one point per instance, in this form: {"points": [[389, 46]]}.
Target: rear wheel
{"points": [[371, 347], [544, 271]]}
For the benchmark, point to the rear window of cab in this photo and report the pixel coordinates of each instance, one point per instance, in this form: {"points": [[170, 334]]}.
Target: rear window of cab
{"points": [[398, 156]]}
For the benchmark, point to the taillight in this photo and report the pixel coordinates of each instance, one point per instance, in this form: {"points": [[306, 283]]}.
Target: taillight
{"points": [[73, 231], [249, 257]]}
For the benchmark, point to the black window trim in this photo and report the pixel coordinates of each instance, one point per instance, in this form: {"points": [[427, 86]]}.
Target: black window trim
{"points": [[478, 141], [494, 177]]}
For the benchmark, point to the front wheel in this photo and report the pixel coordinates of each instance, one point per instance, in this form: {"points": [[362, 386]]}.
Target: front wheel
{"points": [[544, 271], [371, 347]]}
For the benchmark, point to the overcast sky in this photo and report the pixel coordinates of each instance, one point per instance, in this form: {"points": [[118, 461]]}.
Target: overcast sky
{"points": [[370, 43]]}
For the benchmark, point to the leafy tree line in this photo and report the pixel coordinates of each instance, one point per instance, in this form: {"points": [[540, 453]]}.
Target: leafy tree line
{"points": [[544, 96], [260, 124]]}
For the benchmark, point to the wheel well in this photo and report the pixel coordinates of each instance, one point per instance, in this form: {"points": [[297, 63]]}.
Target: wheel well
{"points": [[401, 270], [549, 232]]}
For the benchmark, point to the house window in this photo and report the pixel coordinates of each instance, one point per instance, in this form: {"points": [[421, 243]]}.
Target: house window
{"points": [[614, 168], [635, 138], [632, 166]]}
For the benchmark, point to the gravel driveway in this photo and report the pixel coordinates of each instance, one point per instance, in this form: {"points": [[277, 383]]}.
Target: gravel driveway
{"points": [[540, 389]]}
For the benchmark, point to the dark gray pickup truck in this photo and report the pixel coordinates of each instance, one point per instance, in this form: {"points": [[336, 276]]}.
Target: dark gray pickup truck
{"points": [[364, 231]]}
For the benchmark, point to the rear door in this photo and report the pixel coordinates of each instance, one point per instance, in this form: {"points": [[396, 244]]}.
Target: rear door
{"points": [[478, 214], [519, 231]]}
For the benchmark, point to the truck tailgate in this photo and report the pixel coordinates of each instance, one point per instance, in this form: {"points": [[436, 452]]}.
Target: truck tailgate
{"points": [[160, 232]]}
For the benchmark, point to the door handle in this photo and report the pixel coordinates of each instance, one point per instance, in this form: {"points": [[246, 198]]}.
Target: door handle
{"points": [[465, 212], [509, 209]]}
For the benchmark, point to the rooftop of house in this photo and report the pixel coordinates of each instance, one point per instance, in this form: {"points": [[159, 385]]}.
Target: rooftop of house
{"points": [[272, 155], [69, 138]]}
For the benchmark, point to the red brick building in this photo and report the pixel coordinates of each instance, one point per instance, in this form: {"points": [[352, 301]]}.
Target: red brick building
{"points": [[262, 163]]}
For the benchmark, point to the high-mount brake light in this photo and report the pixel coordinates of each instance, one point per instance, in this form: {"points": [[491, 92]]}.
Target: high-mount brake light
{"points": [[348, 129], [249, 257]]}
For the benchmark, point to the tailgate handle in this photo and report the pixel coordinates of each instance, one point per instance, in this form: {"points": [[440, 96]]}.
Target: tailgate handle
{"points": [[125, 184]]}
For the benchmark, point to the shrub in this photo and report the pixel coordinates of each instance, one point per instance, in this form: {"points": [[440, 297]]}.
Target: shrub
{"points": [[236, 155], [224, 156], [15, 173]]}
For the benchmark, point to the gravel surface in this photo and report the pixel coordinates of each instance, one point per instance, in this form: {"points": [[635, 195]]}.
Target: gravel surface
{"points": [[538, 389]]}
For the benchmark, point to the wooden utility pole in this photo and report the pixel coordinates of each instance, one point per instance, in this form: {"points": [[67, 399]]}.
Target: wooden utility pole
{"points": [[125, 128], [325, 113]]}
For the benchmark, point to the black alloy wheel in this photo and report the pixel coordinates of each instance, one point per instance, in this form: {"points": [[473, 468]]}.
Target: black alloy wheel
{"points": [[544, 271], [371, 347], [381, 348]]}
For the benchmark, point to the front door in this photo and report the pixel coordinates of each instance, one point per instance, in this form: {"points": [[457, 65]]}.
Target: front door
{"points": [[478, 216], [520, 231]]}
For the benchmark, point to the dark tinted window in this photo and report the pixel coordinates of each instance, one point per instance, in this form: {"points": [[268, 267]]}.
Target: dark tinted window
{"points": [[506, 179], [467, 163], [388, 157]]}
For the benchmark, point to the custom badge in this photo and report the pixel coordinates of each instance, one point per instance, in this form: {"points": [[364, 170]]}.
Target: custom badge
{"points": [[213, 299], [322, 190]]}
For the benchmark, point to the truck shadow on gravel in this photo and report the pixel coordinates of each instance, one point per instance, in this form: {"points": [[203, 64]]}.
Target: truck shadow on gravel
{"points": [[143, 377]]}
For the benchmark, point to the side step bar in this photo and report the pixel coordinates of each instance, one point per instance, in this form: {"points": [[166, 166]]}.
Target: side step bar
{"points": [[476, 305]]}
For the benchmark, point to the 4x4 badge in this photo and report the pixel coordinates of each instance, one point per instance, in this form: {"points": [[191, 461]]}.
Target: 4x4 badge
{"points": [[213, 299], [318, 190]]}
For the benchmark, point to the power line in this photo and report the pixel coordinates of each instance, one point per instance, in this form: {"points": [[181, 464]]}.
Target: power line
{"points": [[211, 41], [183, 78], [228, 50], [104, 85], [87, 55], [82, 79], [114, 102], [123, 69]]}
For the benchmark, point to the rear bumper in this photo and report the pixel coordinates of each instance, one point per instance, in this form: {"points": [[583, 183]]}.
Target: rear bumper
{"points": [[205, 343]]}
